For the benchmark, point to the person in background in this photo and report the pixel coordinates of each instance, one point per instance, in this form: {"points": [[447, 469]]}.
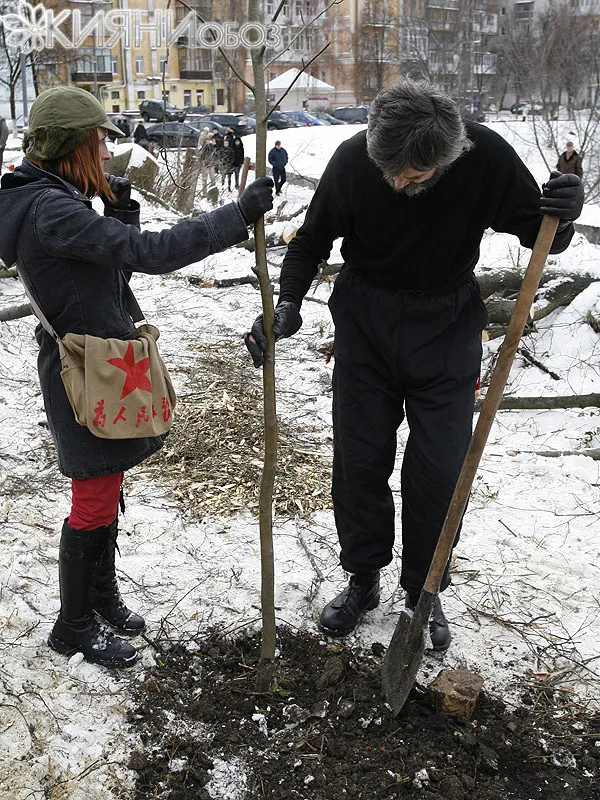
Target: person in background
{"points": [[569, 162], [238, 159], [411, 199], [226, 158], [278, 158], [75, 263], [140, 134], [229, 135], [3, 138]]}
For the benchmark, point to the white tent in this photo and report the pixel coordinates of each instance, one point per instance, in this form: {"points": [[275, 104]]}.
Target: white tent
{"points": [[307, 92]]}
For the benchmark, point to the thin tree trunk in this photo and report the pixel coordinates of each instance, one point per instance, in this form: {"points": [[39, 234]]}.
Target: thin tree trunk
{"points": [[266, 664]]}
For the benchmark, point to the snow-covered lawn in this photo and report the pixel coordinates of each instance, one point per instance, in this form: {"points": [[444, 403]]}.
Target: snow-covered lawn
{"points": [[524, 602]]}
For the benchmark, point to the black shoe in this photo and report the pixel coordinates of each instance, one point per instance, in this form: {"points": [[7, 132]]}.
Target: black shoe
{"points": [[107, 602], [343, 613], [439, 630], [77, 630]]}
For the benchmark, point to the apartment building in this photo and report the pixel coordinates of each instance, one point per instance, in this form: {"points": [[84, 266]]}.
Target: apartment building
{"points": [[141, 65]]}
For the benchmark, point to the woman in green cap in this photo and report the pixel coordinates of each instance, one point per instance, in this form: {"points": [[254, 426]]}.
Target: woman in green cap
{"points": [[75, 263]]}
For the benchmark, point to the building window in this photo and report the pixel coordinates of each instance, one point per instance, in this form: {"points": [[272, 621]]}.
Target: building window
{"points": [[163, 61], [114, 62], [114, 95], [116, 108], [139, 65], [187, 97], [199, 97], [141, 95], [220, 97]]}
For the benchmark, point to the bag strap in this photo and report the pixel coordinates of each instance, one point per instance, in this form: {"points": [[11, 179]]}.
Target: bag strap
{"points": [[40, 314], [132, 305], [137, 315]]}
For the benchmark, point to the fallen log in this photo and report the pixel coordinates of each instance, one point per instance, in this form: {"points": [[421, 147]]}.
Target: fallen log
{"points": [[593, 452], [15, 312], [531, 403], [508, 281]]}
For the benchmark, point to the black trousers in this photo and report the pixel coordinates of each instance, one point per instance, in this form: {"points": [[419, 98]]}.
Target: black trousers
{"points": [[397, 355], [279, 178]]}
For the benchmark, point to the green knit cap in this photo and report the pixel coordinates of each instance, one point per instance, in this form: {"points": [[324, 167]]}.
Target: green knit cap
{"points": [[62, 118]]}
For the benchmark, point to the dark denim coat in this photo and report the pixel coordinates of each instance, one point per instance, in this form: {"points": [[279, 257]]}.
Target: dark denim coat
{"points": [[72, 259]]}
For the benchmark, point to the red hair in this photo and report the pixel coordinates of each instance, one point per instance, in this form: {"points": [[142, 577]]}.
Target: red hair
{"points": [[82, 168]]}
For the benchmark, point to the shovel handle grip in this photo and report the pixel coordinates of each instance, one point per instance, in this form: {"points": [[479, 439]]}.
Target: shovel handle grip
{"points": [[506, 355]]}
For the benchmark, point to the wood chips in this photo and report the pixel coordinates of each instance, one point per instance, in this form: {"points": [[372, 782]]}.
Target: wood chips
{"points": [[213, 458]]}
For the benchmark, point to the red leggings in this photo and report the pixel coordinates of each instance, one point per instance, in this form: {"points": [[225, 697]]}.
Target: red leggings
{"points": [[95, 502]]}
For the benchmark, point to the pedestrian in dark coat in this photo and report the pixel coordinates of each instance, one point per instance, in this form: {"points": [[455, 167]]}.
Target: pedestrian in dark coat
{"points": [[411, 202], [278, 158], [140, 133], [229, 135], [226, 158], [75, 263], [238, 159], [3, 138], [569, 162]]}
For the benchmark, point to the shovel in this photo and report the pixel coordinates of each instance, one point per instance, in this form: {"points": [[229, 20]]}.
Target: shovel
{"points": [[403, 657]]}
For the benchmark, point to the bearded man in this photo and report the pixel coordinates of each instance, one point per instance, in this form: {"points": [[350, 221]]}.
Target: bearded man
{"points": [[411, 198]]}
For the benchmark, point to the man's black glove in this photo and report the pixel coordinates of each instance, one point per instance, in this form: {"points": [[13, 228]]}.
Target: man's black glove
{"points": [[562, 196], [287, 322], [256, 200], [121, 188]]}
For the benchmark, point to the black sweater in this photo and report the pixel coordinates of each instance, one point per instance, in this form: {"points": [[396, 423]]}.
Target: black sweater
{"points": [[427, 242]]}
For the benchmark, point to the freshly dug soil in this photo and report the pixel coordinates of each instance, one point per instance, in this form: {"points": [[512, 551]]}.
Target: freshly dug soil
{"points": [[324, 733]]}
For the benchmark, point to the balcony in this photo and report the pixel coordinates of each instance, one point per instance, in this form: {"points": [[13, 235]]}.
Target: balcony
{"points": [[195, 74], [90, 77], [449, 4]]}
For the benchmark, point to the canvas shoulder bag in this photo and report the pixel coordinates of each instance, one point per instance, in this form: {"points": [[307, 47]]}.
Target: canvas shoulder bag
{"points": [[118, 389]]}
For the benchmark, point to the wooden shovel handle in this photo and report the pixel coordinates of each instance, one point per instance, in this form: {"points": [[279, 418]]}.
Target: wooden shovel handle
{"points": [[506, 356]]}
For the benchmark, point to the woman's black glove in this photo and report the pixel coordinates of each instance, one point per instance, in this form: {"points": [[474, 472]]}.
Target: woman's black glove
{"points": [[562, 196], [256, 200], [287, 322], [121, 188]]}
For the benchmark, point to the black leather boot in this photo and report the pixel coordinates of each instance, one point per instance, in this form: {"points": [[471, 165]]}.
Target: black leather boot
{"points": [[439, 631], [77, 629], [344, 612], [106, 600]]}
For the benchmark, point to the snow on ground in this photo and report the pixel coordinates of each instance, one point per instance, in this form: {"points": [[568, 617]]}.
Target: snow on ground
{"points": [[524, 601]]}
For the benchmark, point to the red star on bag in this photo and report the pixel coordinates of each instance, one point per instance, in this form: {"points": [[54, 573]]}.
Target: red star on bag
{"points": [[136, 377]]}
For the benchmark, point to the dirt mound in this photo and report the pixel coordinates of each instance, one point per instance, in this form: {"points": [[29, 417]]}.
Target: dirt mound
{"points": [[324, 733]]}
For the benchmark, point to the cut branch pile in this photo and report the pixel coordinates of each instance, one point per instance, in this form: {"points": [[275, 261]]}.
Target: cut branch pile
{"points": [[213, 457]]}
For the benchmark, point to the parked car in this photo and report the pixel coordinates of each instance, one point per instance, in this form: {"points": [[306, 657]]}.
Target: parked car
{"points": [[153, 109], [304, 118], [277, 121], [353, 115], [469, 114], [522, 109], [329, 118], [197, 110], [199, 123], [175, 134], [240, 124]]}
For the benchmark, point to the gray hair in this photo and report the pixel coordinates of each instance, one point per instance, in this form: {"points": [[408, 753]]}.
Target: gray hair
{"points": [[414, 125]]}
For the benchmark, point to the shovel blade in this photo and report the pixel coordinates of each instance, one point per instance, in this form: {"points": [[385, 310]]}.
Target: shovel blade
{"points": [[404, 655]]}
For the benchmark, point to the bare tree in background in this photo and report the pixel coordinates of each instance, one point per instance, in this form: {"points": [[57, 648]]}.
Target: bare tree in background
{"points": [[556, 69]]}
